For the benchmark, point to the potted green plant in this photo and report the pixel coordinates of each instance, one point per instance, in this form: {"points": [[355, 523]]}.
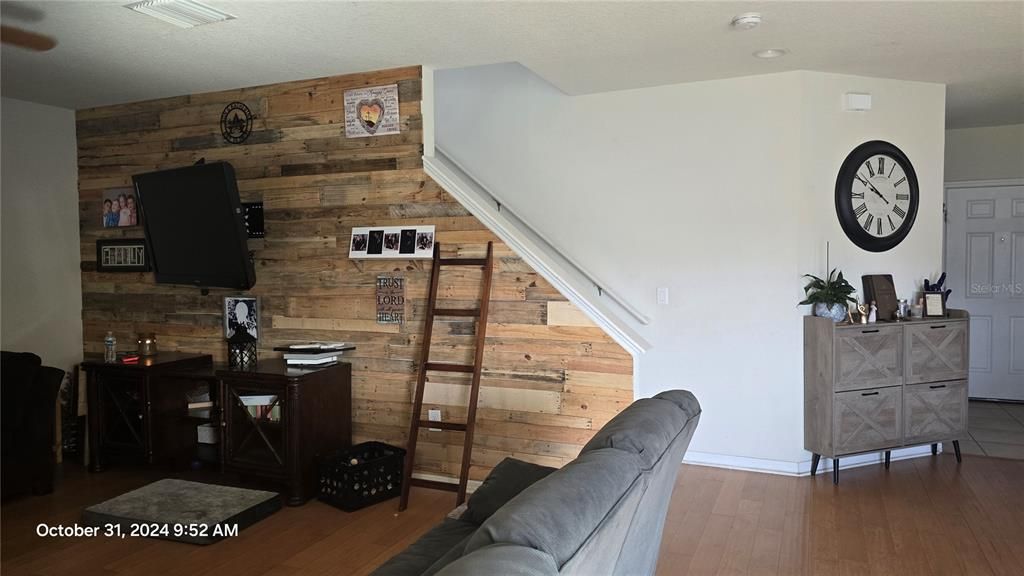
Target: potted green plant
{"points": [[829, 296]]}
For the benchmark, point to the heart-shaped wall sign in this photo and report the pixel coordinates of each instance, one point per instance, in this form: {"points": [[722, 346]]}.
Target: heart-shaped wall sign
{"points": [[370, 113]]}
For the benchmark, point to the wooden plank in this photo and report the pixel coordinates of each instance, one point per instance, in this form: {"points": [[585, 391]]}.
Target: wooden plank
{"points": [[334, 324], [497, 398], [566, 314]]}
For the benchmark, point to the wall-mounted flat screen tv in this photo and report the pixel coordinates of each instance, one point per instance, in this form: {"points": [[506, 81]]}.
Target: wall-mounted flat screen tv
{"points": [[195, 226]]}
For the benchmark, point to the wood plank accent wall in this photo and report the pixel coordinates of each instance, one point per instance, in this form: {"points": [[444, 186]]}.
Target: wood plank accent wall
{"points": [[551, 378]]}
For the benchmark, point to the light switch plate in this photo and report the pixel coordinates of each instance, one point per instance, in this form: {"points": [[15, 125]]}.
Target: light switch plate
{"points": [[434, 416], [663, 295]]}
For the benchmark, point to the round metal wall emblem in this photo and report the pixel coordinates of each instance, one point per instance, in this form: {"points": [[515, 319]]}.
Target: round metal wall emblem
{"points": [[236, 122]]}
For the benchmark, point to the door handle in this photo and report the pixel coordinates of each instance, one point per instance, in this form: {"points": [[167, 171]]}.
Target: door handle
{"points": [[938, 326], [868, 331], [937, 386], [875, 393]]}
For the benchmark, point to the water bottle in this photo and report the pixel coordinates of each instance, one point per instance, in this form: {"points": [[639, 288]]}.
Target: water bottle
{"points": [[110, 348]]}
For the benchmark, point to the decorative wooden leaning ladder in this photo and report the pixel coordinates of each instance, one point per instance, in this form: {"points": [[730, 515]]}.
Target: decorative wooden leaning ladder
{"points": [[426, 365]]}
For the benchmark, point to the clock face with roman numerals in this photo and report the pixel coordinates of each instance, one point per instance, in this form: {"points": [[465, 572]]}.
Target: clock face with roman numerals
{"points": [[876, 196]]}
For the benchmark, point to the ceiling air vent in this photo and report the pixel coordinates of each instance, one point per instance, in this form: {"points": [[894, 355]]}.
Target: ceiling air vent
{"points": [[181, 13]]}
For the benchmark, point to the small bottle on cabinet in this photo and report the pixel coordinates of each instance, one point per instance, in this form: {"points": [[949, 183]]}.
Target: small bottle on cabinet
{"points": [[110, 348]]}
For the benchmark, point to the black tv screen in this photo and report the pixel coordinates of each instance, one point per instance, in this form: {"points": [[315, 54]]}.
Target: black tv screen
{"points": [[195, 226]]}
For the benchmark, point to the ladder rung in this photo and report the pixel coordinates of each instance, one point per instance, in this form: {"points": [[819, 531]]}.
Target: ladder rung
{"points": [[440, 367], [474, 312], [443, 425], [434, 484], [462, 261]]}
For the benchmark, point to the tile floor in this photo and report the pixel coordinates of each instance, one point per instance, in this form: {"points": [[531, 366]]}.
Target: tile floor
{"points": [[995, 429]]}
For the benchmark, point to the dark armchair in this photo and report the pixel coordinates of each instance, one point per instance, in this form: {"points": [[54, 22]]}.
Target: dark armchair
{"points": [[28, 399]]}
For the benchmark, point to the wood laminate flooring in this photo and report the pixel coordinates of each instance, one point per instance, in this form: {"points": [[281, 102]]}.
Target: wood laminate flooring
{"points": [[923, 516]]}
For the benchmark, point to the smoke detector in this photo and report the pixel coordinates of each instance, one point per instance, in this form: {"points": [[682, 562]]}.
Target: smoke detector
{"points": [[769, 53], [181, 13], [747, 21]]}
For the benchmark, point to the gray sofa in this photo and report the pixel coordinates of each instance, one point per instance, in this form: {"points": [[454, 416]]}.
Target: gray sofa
{"points": [[600, 514]]}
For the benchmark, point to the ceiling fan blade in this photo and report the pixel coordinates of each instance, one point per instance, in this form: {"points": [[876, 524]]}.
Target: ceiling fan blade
{"points": [[26, 39]]}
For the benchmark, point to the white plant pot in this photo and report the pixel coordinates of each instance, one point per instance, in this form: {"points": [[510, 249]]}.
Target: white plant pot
{"points": [[837, 312]]}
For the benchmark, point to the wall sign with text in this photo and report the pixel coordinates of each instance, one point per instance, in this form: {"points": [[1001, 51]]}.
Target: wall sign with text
{"points": [[390, 300], [122, 255], [398, 242], [371, 111]]}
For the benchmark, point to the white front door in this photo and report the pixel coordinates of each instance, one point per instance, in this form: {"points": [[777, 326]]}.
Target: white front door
{"points": [[985, 265]]}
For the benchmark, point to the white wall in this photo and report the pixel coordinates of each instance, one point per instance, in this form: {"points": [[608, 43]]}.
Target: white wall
{"points": [[907, 114], [40, 281], [721, 191], [988, 153]]}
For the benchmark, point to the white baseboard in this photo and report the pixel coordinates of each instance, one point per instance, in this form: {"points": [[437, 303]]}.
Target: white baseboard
{"points": [[801, 468], [471, 485], [781, 467]]}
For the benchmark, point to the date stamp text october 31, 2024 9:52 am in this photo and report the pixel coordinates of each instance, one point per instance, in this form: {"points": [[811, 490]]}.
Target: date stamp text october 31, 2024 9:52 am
{"points": [[138, 530]]}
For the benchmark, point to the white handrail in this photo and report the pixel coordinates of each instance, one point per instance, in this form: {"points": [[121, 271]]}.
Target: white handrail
{"points": [[507, 212]]}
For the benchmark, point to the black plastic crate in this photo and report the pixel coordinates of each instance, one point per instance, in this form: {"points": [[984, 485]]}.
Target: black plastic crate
{"points": [[360, 476]]}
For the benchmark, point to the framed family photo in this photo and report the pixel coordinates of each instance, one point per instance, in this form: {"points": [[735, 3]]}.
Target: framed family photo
{"points": [[241, 313], [120, 208], [122, 255]]}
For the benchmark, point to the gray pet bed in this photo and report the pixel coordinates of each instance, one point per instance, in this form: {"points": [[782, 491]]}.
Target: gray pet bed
{"points": [[184, 511]]}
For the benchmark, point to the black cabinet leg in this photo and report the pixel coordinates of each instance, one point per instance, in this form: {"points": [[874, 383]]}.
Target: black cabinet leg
{"points": [[887, 455], [935, 449], [835, 470], [815, 458], [956, 448]]}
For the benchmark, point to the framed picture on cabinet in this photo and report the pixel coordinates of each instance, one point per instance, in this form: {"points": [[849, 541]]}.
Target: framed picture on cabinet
{"points": [[241, 313], [934, 305]]}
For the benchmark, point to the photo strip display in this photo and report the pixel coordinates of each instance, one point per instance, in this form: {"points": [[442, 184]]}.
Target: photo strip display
{"points": [[397, 242]]}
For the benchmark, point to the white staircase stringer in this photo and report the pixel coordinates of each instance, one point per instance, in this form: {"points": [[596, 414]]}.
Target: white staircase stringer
{"points": [[599, 305]]}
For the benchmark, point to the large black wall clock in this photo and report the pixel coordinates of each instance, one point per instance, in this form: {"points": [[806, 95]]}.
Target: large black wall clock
{"points": [[876, 196]]}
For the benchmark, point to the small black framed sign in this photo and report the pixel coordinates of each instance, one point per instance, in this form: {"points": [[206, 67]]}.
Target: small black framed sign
{"points": [[934, 305], [122, 255]]}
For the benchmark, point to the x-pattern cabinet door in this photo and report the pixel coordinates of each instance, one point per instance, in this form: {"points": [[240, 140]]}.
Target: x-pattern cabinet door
{"points": [[935, 411], [867, 419], [868, 356], [936, 352], [256, 426]]}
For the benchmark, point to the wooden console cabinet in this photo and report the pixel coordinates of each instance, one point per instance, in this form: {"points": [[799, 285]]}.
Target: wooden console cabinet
{"points": [[128, 405], [277, 419], [876, 387]]}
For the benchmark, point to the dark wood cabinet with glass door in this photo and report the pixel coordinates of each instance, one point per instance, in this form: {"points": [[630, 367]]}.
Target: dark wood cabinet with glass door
{"points": [[131, 406], [278, 419]]}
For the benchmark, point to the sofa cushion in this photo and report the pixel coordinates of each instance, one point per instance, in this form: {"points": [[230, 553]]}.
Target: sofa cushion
{"points": [[509, 478], [453, 554], [685, 399], [557, 514], [645, 428], [422, 554], [503, 560]]}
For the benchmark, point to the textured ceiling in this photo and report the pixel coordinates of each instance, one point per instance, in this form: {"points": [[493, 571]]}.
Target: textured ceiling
{"points": [[108, 54]]}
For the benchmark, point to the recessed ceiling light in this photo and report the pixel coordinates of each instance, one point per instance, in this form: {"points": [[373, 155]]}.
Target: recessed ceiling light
{"points": [[770, 53], [747, 21], [181, 13]]}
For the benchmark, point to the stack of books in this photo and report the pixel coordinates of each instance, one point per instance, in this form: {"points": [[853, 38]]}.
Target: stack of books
{"points": [[314, 353]]}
